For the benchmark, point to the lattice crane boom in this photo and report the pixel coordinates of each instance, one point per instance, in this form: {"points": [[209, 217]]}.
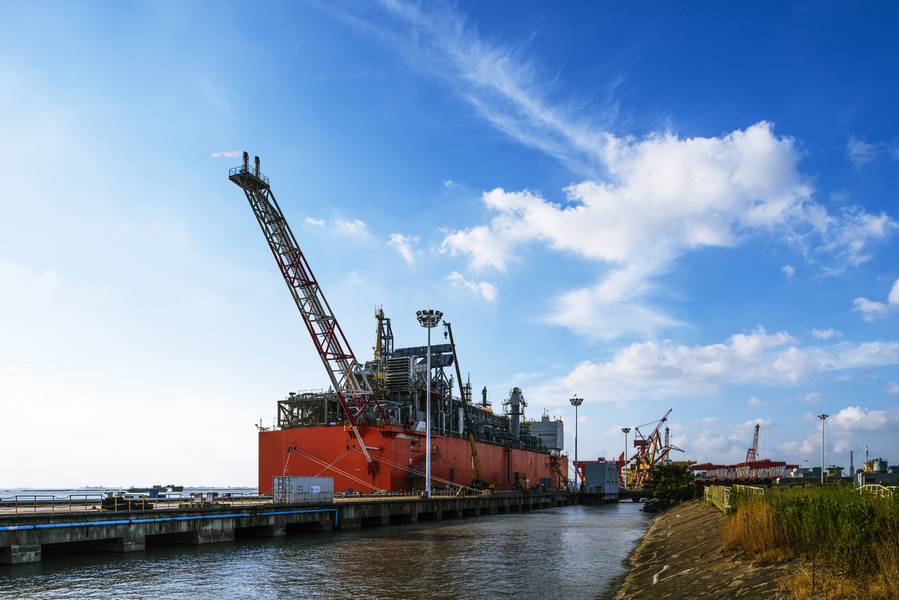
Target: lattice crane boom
{"points": [[349, 382], [752, 453]]}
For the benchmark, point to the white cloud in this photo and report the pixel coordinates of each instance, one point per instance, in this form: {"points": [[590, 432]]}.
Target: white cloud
{"points": [[664, 196], [354, 227], [485, 289], [789, 271], [646, 201], [664, 369], [872, 310], [856, 418], [227, 154], [860, 152], [812, 398], [806, 447], [893, 388], [449, 183], [755, 401], [825, 334], [404, 245], [314, 221]]}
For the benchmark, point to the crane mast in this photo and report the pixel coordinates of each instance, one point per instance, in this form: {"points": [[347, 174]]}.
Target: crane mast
{"points": [[349, 382], [753, 451]]}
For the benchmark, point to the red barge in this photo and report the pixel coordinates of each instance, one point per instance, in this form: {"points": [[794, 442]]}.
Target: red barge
{"points": [[367, 431]]}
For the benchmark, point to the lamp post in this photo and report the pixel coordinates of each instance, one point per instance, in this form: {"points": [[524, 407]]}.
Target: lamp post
{"points": [[625, 431], [823, 418], [575, 402], [428, 319]]}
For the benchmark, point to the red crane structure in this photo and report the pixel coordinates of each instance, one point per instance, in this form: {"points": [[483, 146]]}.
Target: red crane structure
{"points": [[349, 382], [752, 452]]}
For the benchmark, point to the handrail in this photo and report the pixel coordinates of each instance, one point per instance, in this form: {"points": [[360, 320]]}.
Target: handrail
{"points": [[875, 489], [719, 495]]}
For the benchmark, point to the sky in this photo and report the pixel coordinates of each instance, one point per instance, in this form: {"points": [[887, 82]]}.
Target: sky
{"points": [[656, 206]]}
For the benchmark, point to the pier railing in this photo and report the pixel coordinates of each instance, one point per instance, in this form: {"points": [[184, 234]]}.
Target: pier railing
{"points": [[24, 504], [719, 495], [876, 489]]}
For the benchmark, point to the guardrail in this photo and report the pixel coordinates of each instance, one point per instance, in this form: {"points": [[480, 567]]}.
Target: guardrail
{"points": [[875, 489], [25, 504], [719, 495], [749, 490]]}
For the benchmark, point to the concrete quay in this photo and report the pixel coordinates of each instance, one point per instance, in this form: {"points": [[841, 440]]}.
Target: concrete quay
{"points": [[23, 538]]}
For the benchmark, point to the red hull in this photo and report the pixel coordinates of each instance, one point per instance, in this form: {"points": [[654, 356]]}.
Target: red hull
{"points": [[333, 451]]}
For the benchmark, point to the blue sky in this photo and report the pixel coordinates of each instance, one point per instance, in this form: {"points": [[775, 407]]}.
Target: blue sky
{"points": [[666, 206]]}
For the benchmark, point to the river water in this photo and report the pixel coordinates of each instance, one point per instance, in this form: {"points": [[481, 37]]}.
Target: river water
{"points": [[566, 552]]}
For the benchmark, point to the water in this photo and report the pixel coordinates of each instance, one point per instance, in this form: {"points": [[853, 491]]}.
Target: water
{"points": [[566, 552]]}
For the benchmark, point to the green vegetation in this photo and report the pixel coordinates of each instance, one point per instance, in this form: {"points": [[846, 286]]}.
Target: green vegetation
{"points": [[850, 540], [668, 485]]}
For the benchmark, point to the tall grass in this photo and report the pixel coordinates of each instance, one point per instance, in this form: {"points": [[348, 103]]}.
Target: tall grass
{"points": [[841, 533]]}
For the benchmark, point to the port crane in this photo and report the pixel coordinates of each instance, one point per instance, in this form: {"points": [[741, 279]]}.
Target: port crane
{"points": [[352, 388], [651, 451], [752, 453]]}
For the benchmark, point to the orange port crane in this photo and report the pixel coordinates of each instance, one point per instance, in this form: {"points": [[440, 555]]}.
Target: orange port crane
{"points": [[349, 382]]}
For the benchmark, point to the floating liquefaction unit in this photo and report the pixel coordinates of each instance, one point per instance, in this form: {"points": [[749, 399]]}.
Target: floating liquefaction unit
{"points": [[368, 429]]}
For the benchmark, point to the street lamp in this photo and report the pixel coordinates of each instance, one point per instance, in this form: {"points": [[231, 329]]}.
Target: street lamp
{"points": [[575, 402], [625, 431], [823, 417], [428, 319]]}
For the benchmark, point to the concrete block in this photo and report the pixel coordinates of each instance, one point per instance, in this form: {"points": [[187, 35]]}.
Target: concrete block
{"points": [[18, 554], [208, 532], [129, 543]]}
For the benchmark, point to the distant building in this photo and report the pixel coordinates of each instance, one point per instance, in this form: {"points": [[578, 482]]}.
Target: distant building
{"points": [[550, 432], [600, 479]]}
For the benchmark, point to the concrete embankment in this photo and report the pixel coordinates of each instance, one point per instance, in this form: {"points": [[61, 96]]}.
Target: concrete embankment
{"points": [[681, 556], [24, 536]]}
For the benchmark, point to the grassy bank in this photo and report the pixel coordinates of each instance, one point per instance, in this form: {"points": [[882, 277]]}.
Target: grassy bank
{"points": [[850, 540]]}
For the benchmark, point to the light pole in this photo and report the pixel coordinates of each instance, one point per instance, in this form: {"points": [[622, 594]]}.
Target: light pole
{"points": [[575, 402], [625, 431], [428, 319], [823, 417]]}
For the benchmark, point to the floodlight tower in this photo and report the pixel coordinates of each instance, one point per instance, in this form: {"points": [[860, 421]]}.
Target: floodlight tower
{"points": [[823, 418], [575, 402], [428, 318], [625, 431]]}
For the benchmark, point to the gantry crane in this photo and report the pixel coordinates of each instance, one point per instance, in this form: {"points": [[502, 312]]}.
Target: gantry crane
{"points": [[360, 405]]}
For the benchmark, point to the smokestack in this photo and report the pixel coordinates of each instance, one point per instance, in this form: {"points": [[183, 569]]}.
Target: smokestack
{"points": [[246, 162], [515, 412], [257, 166], [484, 397]]}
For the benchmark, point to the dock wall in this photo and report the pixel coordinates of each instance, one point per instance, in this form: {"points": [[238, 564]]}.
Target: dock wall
{"points": [[23, 537]]}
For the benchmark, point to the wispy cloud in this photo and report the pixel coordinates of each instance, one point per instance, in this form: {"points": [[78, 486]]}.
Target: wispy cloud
{"points": [[405, 245], [893, 388], [825, 334], [483, 288], [226, 154], [315, 222], [645, 202], [354, 227], [872, 310], [789, 271], [861, 153]]}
